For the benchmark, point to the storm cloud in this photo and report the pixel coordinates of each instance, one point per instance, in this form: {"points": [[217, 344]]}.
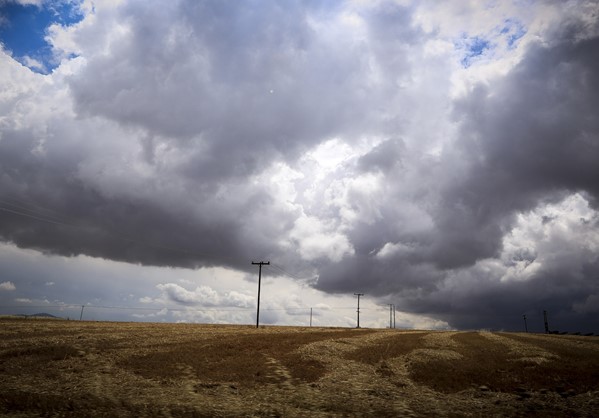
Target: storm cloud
{"points": [[374, 148]]}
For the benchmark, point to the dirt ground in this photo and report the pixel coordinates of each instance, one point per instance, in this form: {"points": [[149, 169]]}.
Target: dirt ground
{"points": [[102, 369]]}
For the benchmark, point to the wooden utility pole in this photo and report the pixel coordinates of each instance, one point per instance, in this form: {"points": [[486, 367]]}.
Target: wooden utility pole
{"points": [[259, 264], [358, 295]]}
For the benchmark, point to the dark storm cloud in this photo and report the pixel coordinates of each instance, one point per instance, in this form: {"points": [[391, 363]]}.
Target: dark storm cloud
{"points": [[531, 137], [160, 146], [476, 299], [236, 86], [528, 139], [46, 207], [383, 156], [176, 109]]}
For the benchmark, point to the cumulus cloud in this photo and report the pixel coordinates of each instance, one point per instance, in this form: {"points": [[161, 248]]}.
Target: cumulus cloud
{"points": [[205, 296], [7, 286]]}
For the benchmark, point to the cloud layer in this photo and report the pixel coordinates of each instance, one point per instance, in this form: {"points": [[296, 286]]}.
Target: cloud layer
{"points": [[440, 158]]}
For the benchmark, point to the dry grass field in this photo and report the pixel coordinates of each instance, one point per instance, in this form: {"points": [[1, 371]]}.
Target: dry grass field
{"points": [[100, 369]]}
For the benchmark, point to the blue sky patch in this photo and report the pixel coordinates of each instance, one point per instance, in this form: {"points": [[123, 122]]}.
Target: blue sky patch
{"points": [[513, 31], [474, 47], [23, 28]]}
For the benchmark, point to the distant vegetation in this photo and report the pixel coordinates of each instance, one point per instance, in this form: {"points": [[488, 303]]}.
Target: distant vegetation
{"points": [[36, 315]]}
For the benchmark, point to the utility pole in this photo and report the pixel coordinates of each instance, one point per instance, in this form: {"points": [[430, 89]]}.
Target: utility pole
{"points": [[259, 264], [81, 316], [525, 325], [390, 315], [358, 295], [310, 316]]}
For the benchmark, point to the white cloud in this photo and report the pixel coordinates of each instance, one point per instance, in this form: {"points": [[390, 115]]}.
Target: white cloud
{"points": [[316, 240], [30, 2], [550, 236], [393, 249], [161, 315], [241, 300], [8, 286], [201, 295], [32, 63]]}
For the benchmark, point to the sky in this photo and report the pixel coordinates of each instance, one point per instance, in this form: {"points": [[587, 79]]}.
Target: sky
{"points": [[441, 157]]}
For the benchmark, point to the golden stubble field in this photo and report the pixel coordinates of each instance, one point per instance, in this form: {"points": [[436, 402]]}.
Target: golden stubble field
{"points": [[95, 369]]}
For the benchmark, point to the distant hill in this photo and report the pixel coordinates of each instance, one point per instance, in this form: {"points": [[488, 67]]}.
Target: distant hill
{"points": [[44, 315], [39, 315]]}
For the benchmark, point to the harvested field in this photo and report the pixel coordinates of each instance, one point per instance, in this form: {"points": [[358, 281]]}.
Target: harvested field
{"points": [[73, 368]]}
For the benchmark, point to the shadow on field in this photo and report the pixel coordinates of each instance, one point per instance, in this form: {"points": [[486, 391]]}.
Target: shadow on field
{"points": [[242, 360]]}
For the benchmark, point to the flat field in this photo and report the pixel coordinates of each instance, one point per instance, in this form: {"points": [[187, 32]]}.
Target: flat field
{"points": [[95, 369]]}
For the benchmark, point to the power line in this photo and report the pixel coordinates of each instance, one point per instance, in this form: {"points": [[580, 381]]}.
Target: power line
{"points": [[195, 308], [291, 275], [16, 212], [28, 205], [22, 210], [282, 270], [150, 311], [43, 218]]}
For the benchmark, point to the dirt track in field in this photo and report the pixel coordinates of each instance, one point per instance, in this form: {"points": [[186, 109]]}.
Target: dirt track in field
{"points": [[72, 368]]}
